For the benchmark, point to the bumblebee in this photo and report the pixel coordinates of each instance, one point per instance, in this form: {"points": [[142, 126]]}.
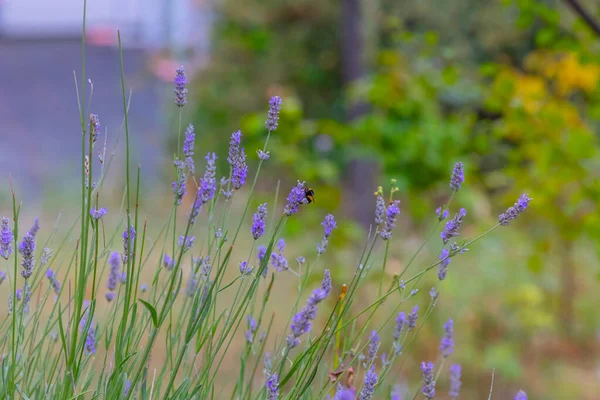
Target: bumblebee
{"points": [[309, 196]]}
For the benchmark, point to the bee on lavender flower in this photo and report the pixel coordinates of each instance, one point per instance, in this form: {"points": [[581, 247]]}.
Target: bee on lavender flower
{"points": [[309, 196]]}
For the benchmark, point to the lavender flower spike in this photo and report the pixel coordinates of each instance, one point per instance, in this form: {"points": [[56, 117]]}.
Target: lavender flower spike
{"points": [[258, 221], [245, 269], [455, 383], [442, 215], [35, 228], [263, 155], [453, 226], [128, 238], [379, 209], [113, 276], [369, 384], [27, 248], [412, 318], [514, 211], [373, 347], [302, 322], [180, 90], [273, 116], [240, 171], [90, 341], [521, 395], [447, 344], [186, 242], [390, 221], [278, 259], [54, 283], [444, 262], [295, 198], [345, 394], [6, 238], [234, 147], [458, 176], [94, 127], [98, 213], [329, 224], [207, 187], [428, 382], [188, 148], [273, 387]]}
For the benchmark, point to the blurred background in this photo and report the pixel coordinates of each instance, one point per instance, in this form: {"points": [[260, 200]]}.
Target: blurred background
{"points": [[372, 90]]}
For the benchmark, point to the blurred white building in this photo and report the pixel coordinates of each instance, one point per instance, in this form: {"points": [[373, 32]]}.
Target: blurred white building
{"points": [[153, 24]]}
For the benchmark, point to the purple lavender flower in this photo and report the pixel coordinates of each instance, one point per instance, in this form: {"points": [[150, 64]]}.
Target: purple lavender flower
{"points": [[45, 257], [113, 275], [258, 221], [273, 387], [443, 266], [208, 186], [126, 387], [262, 252], [240, 171], [379, 210], [6, 239], [192, 286], [455, 383], [273, 116], [262, 155], [433, 294], [453, 226], [98, 213], [35, 228], [27, 248], [329, 224], [369, 384], [245, 269], [123, 277], [144, 287], [180, 90], [278, 259], [19, 294], [390, 221], [447, 344], [234, 147], [300, 260], [458, 176], [345, 394], [400, 323], [186, 242], [188, 143], [514, 211], [94, 127], [252, 326], [295, 198], [521, 395], [428, 382], [395, 395], [205, 268], [373, 347], [168, 262], [54, 283], [127, 238], [180, 185], [411, 321], [2, 276], [90, 341], [442, 215], [302, 321]]}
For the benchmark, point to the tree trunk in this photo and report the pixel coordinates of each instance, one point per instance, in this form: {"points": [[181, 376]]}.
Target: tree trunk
{"points": [[360, 174]]}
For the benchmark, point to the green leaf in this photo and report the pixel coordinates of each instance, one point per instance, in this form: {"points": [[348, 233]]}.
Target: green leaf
{"points": [[152, 312], [21, 392]]}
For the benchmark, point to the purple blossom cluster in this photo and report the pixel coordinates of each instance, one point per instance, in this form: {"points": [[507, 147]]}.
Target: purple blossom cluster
{"points": [[444, 262], [392, 213], [113, 276], [278, 260], [453, 226], [295, 198], [94, 127], [258, 221], [54, 283], [27, 249], [514, 211], [180, 89], [273, 387], [329, 225], [447, 343], [273, 115], [207, 187], [455, 382], [128, 239], [369, 384], [428, 380], [96, 214], [302, 322], [6, 238], [458, 177], [252, 326]]}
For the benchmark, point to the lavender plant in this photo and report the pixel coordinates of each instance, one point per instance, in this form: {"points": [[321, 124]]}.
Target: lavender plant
{"points": [[57, 355]]}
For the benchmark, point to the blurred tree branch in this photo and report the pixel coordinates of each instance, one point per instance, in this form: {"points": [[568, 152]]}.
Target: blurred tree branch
{"points": [[579, 10]]}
